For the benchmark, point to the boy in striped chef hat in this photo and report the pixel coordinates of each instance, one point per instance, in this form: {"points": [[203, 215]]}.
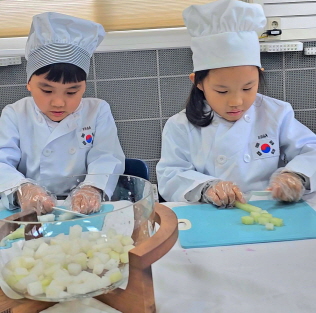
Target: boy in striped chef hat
{"points": [[56, 133]]}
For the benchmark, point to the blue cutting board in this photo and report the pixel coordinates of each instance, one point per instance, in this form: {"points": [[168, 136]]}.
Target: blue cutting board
{"points": [[211, 226]]}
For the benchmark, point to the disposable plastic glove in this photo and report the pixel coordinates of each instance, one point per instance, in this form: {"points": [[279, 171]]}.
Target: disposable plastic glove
{"points": [[85, 199], [222, 194], [32, 196], [286, 186]]}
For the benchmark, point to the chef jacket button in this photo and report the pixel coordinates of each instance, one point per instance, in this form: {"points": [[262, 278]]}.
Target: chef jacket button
{"points": [[47, 152], [72, 150], [221, 159], [215, 123], [39, 118], [247, 118], [247, 158]]}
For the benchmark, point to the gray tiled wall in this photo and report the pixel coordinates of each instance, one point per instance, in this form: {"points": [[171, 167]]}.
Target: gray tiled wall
{"points": [[146, 87]]}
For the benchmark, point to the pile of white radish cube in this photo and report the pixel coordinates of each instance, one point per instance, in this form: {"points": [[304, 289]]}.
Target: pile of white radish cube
{"points": [[68, 265]]}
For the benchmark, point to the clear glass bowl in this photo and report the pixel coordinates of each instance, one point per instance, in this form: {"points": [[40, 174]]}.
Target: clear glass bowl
{"points": [[73, 257]]}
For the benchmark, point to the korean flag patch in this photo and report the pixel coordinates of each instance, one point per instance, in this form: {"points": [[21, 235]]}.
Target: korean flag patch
{"points": [[265, 148], [85, 138]]}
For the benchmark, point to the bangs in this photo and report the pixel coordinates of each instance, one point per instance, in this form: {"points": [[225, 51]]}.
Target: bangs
{"points": [[62, 72]]}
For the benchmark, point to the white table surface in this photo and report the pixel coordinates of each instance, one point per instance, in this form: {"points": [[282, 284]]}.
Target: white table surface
{"points": [[275, 277]]}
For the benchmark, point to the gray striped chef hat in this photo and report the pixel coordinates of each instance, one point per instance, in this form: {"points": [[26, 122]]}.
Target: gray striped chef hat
{"points": [[60, 38]]}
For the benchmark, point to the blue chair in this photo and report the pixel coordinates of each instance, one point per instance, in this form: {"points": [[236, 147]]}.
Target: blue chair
{"points": [[136, 167], [128, 189]]}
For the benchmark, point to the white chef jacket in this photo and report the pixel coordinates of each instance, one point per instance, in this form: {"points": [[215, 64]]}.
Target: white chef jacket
{"points": [[84, 142], [246, 152]]}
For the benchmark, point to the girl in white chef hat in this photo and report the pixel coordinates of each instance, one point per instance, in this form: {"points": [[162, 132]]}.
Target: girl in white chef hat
{"points": [[230, 140], [56, 133]]}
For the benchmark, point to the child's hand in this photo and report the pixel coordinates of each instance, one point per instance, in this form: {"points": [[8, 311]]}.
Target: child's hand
{"points": [[86, 199], [286, 186], [35, 197], [224, 194]]}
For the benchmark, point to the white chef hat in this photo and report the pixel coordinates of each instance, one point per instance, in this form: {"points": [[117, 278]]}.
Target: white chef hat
{"points": [[60, 38], [224, 33]]}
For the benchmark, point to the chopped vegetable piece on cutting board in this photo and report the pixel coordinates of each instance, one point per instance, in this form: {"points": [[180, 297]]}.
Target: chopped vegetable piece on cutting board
{"points": [[257, 215], [247, 220], [247, 207]]}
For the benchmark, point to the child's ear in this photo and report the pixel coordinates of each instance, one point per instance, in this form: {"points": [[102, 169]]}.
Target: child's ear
{"points": [[28, 87], [192, 78]]}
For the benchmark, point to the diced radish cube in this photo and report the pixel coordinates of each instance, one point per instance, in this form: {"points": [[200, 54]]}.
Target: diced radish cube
{"points": [[33, 244], [115, 277], [45, 282], [74, 249], [85, 245], [102, 257], [52, 269], [100, 241], [94, 235], [21, 271], [124, 257], [64, 280], [60, 273], [14, 263], [35, 288], [118, 236], [98, 269], [53, 292], [38, 268], [116, 245], [127, 240], [41, 251], [6, 272], [77, 289], [80, 258], [22, 283], [114, 255], [75, 232], [28, 252], [46, 218], [27, 262], [105, 281], [127, 248], [54, 249], [58, 258], [66, 245], [93, 262], [83, 276], [74, 268], [111, 264]]}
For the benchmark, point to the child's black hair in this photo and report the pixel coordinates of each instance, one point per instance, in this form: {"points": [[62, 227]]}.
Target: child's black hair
{"points": [[62, 72], [195, 107]]}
